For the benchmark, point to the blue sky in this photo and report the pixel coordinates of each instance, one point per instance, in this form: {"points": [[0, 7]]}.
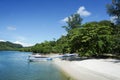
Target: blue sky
{"points": [[33, 21]]}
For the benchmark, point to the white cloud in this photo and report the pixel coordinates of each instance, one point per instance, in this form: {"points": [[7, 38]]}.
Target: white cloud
{"points": [[65, 19], [23, 43], [11, 28], [113, 19], [82, 11], [2, 40], [22, 40]]}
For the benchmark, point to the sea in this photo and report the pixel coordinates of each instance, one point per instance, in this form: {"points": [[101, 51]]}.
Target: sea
{"points": [[14, 65]]}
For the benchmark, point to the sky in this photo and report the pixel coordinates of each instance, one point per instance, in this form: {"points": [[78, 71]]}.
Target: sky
{"points": [[28, 22]]}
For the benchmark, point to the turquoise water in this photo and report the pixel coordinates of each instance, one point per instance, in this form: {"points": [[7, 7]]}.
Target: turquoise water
{"points": [[15, 66]]}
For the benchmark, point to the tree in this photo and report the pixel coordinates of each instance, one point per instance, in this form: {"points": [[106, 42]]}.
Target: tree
{"points": [[114, 10], [62, 45], [105, 23], [91, 39], [116, 37], [74, 21]]}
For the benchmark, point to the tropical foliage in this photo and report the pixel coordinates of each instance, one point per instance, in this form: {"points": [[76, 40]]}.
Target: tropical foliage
{"points": [[91, 39]]}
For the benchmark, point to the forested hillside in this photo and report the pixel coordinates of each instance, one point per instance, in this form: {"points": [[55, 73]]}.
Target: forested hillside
{"points": [[9, 46]]}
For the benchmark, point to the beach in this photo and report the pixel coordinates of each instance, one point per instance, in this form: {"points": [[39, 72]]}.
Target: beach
{"points": [[91, 69]]}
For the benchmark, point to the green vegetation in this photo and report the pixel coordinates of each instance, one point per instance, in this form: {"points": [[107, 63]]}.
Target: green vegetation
{"points": [[9, 46], [91, 39]]}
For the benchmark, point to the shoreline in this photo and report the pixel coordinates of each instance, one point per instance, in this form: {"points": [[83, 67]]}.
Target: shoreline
{"points": [[91, 69]]}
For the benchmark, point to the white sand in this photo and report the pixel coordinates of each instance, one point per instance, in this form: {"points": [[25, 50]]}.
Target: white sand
{"points": [[91, 69]]}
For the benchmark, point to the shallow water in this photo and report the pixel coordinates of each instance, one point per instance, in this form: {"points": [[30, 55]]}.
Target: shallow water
{"points": [[15, 66]]}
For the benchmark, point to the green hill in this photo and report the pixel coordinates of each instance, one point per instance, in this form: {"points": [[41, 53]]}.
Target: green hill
{"points": [[9, 46]]}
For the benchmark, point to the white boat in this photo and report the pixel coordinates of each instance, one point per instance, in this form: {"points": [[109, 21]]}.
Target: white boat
{"points": [[36, 58]]}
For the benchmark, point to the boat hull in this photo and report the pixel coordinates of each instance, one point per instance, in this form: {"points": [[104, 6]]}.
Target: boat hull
{"points": [[39, 59]]}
